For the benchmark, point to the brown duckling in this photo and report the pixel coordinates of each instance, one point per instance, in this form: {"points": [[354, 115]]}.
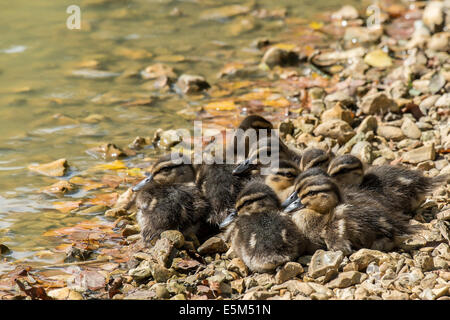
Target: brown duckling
{"points": [[254, 122], [314, 157], [397, 188], [266, 151], [170, 168], [260, 234], [330, 221], [170, 206], [216, 180]]}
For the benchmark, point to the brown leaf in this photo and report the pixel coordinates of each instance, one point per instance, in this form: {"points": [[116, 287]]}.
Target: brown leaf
{"points": [[35, 293]]}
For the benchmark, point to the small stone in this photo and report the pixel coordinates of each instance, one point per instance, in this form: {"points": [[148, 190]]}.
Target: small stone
{"points": [[395, 295], [335, 129], [61, 187], [299, 287], [179, 296], [378, 58], [174, 236], [346, 279], [258, 295], [423, 261], [363, 257], [278, 57], [158, 70], [161, 291], [4, 249], [378, 103], [410, 129], [443, 101], [65, 294], [439, 41], [213, 245], [142, 271], [341, 97], [288, 271], [420, 154], [439, 292], [337, 112], [323, 261], [369, 123], [427, 294], [238, 266], [238, 285], [170, 138], [433, 15], [444, 215], [345, 13], [160, 273], [192, 83], [108, 151], [363, 150], [390, 132], [56, 168], [162, 252]]}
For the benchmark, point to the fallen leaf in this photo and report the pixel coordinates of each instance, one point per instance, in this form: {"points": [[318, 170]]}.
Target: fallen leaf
{"points": [[115, 165], [67, 206], [106, 199]]}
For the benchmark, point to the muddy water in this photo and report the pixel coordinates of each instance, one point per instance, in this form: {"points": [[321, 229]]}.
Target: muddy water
{"points": [[48, 88]]}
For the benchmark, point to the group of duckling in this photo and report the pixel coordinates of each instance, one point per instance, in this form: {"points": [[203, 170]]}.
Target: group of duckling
{"points": [[309, 200]]}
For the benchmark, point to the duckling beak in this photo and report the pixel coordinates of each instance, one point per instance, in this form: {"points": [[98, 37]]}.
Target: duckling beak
{"points": [[242, 167], [296, 205], [289, 200], [143, 183], [229, 219]]}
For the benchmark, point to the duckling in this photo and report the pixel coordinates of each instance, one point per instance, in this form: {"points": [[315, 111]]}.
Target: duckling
{"points": [[281, 178], [254, 122], [170, 206], [216, 180], [262, 236], [313, 157], [397, 188], [170, 168], [266, 151], [330, 221]]}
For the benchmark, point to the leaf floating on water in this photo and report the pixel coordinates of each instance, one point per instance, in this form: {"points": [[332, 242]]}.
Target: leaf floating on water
{"points": [[316, 25], [106, 199], [67, 206], [115, 165], [378, 59], [226, 105], [56, 168], [86, 183]]}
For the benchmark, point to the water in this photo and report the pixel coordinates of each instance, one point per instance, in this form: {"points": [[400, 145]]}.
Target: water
{"points": [[46, 92]]}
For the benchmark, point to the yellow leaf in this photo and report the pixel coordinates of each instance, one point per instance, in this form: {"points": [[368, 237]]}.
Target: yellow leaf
{"points": [[262, 94], [115, 165], [285, 46], [316, 25], [225, 105], [277, 103]]}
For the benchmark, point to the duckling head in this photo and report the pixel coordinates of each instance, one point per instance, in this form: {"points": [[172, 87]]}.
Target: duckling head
{"points": [[282, 176], [346, 170], [314, 157], [244, 138], [262, 153], [313, 190], [256, 197], [169, 169]]}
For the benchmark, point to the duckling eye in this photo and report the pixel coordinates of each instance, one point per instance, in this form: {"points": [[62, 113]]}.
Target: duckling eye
{"points": [[311, 193]]}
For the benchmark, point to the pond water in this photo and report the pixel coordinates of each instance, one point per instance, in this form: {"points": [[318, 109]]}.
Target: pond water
{"points": [[49, 91]]}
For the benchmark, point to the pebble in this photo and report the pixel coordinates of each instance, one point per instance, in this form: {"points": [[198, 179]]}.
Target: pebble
{"points": [[238, 266], [213, 245], [192, 83], [275, 56], [363, 257], [347, 279], [288, 271], [410, 129], [174, 236], [335, 129], [377, 103], [420, 154], [324, 261], [433, 15]]}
